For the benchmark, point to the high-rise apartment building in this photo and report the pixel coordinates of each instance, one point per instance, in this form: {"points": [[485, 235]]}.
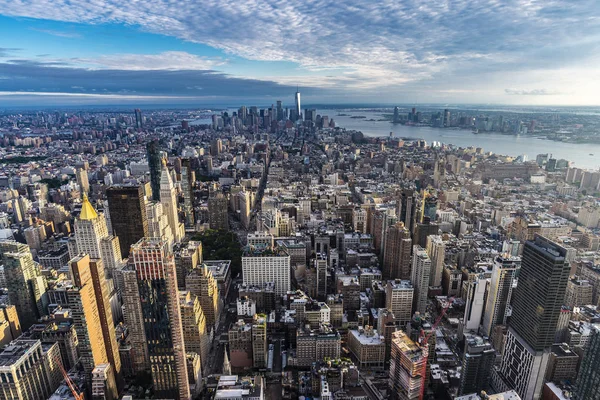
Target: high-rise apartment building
{"points": [[500, 292], [321, 269], [195, 334], [477, 363], [436, 249], [396, 257], [537, 304], [187, 257], [259, 268], [421, 268], [476, 290], [127, 207], [29, 370], [399, 297], [25, 283], [217, 212], [157, 283], [200, 282], [406, 367]]}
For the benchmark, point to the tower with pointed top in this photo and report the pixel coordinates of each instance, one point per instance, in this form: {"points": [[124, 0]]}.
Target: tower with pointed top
{"points": [[226, 363], [92, 238], [168, 199]]}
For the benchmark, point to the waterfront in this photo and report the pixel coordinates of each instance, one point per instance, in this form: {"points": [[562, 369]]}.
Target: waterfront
{"points": [[577, 153]]}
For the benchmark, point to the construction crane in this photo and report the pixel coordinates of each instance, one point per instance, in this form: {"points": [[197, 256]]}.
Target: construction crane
{"points": [[74, 389], [423, 340]]}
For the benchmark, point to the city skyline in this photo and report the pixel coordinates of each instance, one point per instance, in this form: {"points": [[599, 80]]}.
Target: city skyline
{"points": [[526, 53]]}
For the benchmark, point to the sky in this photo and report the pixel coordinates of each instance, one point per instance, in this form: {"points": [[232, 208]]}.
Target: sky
{"points": [[218, 52]]}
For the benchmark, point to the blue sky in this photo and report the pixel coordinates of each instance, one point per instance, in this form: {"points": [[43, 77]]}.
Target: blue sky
{"points": [[227, 52]]}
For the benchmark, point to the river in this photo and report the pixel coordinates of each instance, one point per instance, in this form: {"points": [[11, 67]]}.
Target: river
{"points": [[577, 153]]}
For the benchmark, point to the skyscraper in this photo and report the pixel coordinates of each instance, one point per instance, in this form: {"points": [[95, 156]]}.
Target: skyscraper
{"points": [[396, 257], [29, 370], [82, 180], [536, 307], [138, 118], [157, 283], [588, 380], [407, 208], [406, 366], [399, 296], [91, 320], [155, 165], [436, 249], [134, 319], [298, 107], [25, 283], [259, 341], [259, 269], [201, 283], [168, 198], [217, 211], [92, 237], [187, 183], [499, 292], [127, 208], [194, 326], [478, 360], [321, 268], [476, 291], [421, 268]]}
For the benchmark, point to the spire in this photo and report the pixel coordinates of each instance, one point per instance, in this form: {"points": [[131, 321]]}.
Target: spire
{"points": [[87, 210], [226, 363], [165, 178]]}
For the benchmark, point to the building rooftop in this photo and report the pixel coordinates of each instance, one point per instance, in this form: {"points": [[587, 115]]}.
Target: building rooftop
{"points": [[219, 268], [367, 336], [16, 350]]}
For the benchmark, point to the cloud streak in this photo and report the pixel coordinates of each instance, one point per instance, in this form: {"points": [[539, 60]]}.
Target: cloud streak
{"points": [[69, 35], [376, 44], [531, 92], [25, 76]]}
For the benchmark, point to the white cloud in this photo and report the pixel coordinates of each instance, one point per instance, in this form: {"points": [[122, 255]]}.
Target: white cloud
{"points": [[69, 35], [362, 45], [168, 60]]}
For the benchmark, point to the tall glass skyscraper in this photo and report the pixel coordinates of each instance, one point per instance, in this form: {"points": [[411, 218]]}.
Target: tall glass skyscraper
{"points": [[127, 209], [298, 107], [588, 380], [537, 303], [155, 165], [157, 283]]}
